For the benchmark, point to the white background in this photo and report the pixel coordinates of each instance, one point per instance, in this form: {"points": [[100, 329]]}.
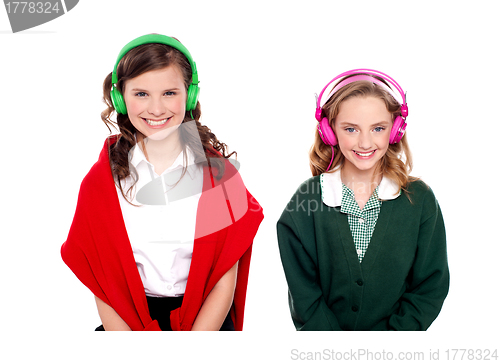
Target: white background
{"points": [[260, 63]]}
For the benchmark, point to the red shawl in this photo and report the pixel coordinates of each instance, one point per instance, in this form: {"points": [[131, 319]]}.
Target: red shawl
{"points": [[99, 253]]}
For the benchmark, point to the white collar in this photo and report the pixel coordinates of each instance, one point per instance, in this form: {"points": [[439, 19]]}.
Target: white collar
{"points": [[136, 156], [331, 189]]}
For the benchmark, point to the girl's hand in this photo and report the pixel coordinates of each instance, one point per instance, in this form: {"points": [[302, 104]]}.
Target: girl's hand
{"points": [[216, 307], [110, 319]]}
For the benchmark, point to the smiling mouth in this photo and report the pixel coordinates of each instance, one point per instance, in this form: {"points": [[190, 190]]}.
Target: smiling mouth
{"points": [[156, 122], [365, 154]]}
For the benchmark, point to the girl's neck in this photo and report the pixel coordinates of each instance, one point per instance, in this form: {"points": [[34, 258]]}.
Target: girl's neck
{"points": [[160, 153], [362, 183]]}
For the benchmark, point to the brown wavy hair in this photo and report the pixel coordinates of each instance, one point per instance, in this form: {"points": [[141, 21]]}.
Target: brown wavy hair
{"points": [[396, 164], [141, 59]]}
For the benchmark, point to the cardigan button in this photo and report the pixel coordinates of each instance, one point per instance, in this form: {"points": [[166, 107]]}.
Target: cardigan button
{"points": [[354, 308], [359, 282]]}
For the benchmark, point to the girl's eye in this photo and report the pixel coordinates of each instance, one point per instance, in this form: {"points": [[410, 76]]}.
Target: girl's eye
{"points": [[350, 130], [140, 94], [378, 129], [170, 93]]}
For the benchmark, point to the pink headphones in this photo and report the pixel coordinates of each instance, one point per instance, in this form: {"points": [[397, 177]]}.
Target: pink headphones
{"points": [[398, 127]]}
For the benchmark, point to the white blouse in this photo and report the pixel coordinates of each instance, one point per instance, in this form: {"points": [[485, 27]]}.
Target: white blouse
{"points": [[161, 229], [331, 188]]}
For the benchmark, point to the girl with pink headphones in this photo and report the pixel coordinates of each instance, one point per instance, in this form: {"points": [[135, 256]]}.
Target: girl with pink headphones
{"points": [[363, 243], [163, 229]]}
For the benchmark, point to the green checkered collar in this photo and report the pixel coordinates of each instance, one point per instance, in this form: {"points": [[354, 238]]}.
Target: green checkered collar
{"points": [[331, 189]]}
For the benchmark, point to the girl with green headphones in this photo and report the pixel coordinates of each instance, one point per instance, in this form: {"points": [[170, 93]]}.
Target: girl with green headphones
{"points": [[164, 226]]}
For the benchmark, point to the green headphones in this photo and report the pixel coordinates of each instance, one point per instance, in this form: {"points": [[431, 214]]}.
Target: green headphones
{"points": [[193, 89]]}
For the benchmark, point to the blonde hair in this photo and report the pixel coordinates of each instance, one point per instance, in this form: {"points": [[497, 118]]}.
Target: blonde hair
{"points": [[396, 164]]}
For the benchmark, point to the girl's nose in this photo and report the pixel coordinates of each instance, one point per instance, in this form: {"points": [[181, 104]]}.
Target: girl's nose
{"points": [[365, 140], [156, 107]]}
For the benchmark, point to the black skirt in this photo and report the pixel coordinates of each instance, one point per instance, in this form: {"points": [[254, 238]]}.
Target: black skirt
{"points": [[160, 308]]}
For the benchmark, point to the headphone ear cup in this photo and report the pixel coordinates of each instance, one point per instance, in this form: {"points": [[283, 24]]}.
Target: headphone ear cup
{"points": [[326, 132], [117, 100], [398, 130], [192, 97]]}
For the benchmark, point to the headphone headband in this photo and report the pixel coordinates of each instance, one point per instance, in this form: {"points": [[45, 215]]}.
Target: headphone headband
{"points": [[361, 77], [155, 38], [360, 72]]}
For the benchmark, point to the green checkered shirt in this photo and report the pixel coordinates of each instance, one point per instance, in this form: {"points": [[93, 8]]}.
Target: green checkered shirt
{"points": [[362, 223]]}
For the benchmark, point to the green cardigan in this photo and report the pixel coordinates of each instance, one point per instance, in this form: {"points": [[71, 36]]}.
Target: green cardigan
{"points": [[401, 283]]}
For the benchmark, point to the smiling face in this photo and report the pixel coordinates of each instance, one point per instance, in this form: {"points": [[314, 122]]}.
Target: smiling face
{"points": [[363, 127], [156, 102]]}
